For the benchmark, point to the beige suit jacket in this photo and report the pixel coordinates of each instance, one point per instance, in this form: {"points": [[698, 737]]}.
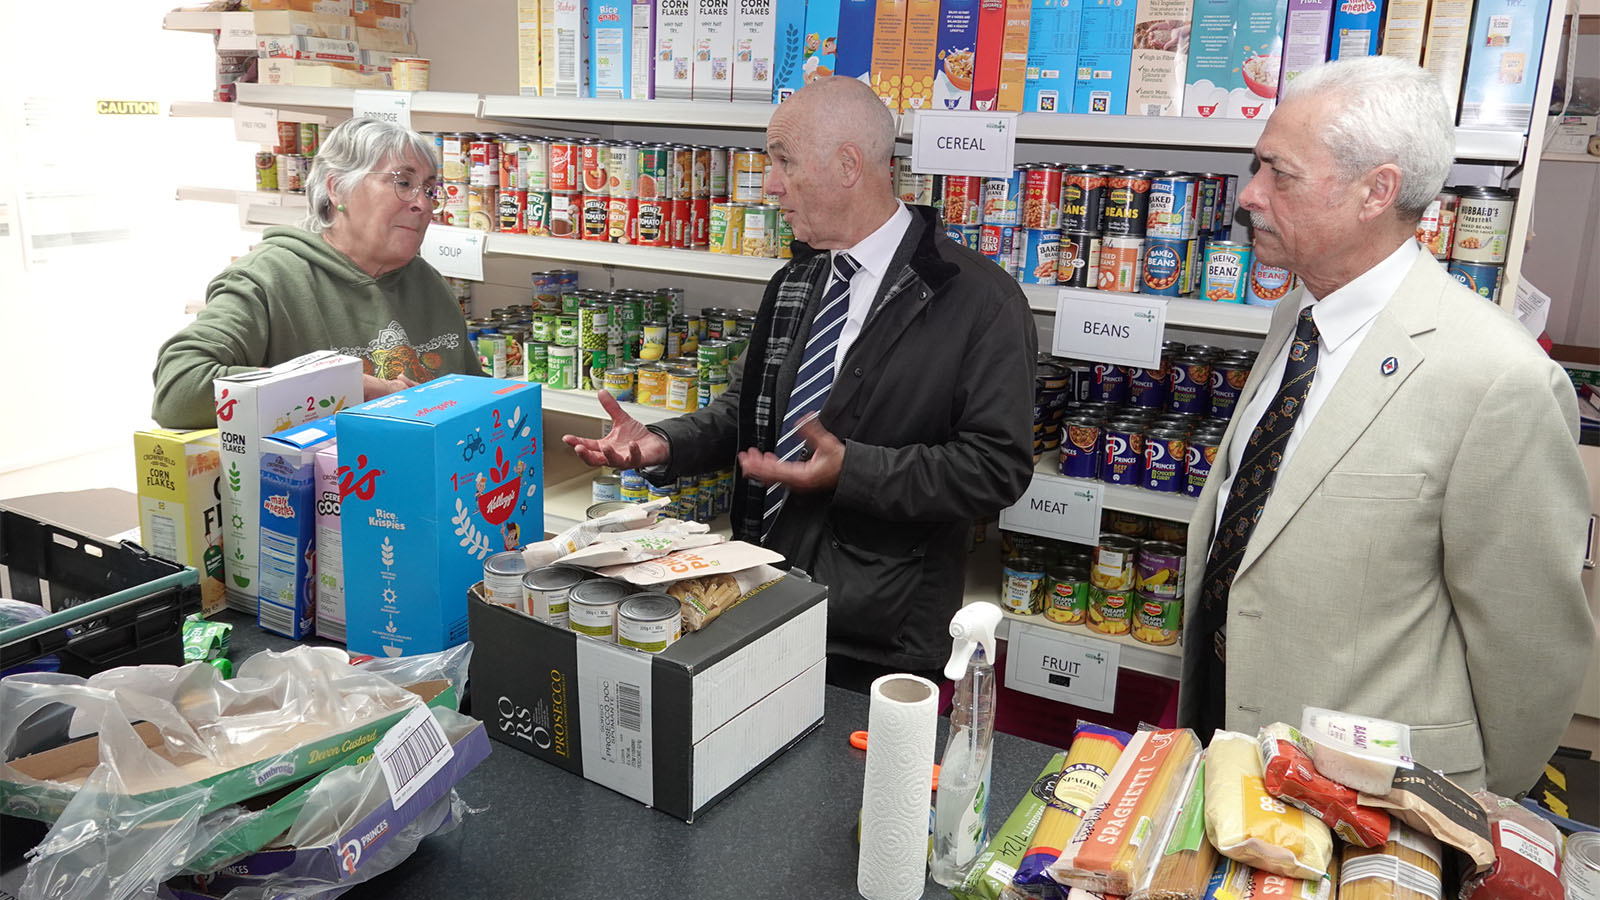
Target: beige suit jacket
{"points": [[1419, 557]]}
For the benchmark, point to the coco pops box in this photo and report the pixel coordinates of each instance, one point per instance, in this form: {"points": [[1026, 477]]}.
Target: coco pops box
{"points": [[330, 544], [440, 476]]}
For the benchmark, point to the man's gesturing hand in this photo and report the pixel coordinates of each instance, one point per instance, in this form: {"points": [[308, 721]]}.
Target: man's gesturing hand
{"points": [[818, 473], [629, 445]]}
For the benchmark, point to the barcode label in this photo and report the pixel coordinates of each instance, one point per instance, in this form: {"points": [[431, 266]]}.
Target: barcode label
{"points": [[163, 538], [411, 753], [277, 618], [566, 55], [629, 710], [1152, 109]]}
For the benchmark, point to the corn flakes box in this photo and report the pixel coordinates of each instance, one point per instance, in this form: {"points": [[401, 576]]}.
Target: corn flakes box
{"points": [[858, 22], [1105, 54], [1014, 56], [180, 504], [821, 43], [674, 49], [755, 34], [713, 50], [287, 584], [1052, 56], [330, 483], [788, 49], [440, 476], [1208, 74], [957, 54], [1503, 68], [888, 51], [1156, 71], [920, 66]]}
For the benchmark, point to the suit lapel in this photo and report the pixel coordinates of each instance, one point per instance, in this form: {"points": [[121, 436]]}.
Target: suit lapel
{"points": [[901, 297]]}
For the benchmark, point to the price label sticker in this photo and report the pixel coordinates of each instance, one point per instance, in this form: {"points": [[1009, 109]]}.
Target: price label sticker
{"points": [[390, 106], [237, 32], [255, 124], [455, 252], [1072, 668], [1109, 327], [964, 143], [1067, 509]]}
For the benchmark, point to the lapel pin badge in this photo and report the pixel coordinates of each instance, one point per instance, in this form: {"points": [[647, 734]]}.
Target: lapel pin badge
{"points": [[1389, 366]]}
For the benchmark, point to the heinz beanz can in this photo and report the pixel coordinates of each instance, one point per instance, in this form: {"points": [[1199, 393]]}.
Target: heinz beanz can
{"points": [[1227, 271]]}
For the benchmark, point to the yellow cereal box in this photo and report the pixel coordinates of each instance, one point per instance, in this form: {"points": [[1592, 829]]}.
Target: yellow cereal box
{"points": [[528, 40], [1014, 56], [180, 504], [1403, 27], [1445, 55], [920, 66], [888, 50]]}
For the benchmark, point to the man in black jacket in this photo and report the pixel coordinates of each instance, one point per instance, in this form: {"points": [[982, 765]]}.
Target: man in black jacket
{"points": [[885, 401]]}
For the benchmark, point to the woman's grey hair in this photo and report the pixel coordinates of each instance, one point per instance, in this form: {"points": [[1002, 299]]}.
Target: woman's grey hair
{"points": [[350, 152], [1377, 110]]}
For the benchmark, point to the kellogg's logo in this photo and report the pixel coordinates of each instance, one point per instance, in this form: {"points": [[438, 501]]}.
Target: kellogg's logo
{"points": [[365, 487], [278, 505], [497, 503], [225, 406]]}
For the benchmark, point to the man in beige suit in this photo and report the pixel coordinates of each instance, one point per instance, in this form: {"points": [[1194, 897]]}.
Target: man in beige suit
{"points": [[1394, 525]]}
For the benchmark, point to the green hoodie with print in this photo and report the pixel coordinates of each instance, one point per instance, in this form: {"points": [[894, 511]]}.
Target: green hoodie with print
{"points": [[294, 294]]}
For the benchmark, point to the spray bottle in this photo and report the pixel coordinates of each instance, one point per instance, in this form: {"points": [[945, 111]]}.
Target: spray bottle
{"points": [[961, 808]]}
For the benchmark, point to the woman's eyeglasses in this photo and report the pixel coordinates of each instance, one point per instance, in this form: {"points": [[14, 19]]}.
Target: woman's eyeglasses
{"points": [[406, 187]]}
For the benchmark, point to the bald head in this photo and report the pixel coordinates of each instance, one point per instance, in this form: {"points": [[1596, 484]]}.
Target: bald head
{"points": [[831, 145], [834, 111]]}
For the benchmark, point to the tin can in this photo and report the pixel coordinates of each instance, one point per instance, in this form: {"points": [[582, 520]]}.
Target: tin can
{"points": [[1117, 523], [1149, 387], [593, 225], [679, 229], [1108, 384], [1482, 279], [912, 187], [717, 180], [680, 173], [1079, 264], [1483, 225], [1022, 586], [963, 200], [700, 223], [713, 353], [592, 607], [1191, 385], [1436, 229], [1066, 590], [785, 238], [593, 158], [970, 236], [760, 237], [1159, 569], [748, 176], [1041, 197], [1081, 447], [1227, 380], [997, 242], [546, 592], [649, 622], [561, 368], [1127, 203], [288, 139], [502, 579], [310, 139], [625, 171], [479, 173], [510, 176], [292, 178], [1227, 271], [483, 207], [1041, 252], [621, 213], [1174, 207], [1121, 260], [492, 353], [687, 497], [565, 215], [594, 325], [683, 383], [512, 204], [713, 384], [650, 385], [1267, 284], [1109, 610], [536, 362], [1122, 459], [533, 164], [706, 499], [1199, 454], [652, 228], [564, 170], [1164, 264], [664, 492], [453, 158], [266, 171], [1164, 450], [606, 489], [1002, 200], [1083, 199], [1580, 867], [727, 222], [1157, 620]]}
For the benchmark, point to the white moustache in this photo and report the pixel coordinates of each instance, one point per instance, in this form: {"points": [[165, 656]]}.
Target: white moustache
{"points": [[1258, 222]]}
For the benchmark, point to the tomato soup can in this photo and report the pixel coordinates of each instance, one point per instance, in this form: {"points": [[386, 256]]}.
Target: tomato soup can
{"points": [[1227, 271], [1127, 203], [1041, 253], [679, 227], [653, 223], [592, 223], [700, 223], [482, 164], [563, 173], [1163, 267], [593, 157], [1121, 261], [513, 204], [1041, 197], [454, 194]]}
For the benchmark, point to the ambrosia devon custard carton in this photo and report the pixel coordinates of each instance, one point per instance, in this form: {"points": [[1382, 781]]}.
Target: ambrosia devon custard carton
{"points": [[180, 503], [433, 480]]}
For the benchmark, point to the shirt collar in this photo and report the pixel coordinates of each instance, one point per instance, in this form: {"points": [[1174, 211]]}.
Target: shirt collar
{"points": [[875, 251], [1343, 313]]}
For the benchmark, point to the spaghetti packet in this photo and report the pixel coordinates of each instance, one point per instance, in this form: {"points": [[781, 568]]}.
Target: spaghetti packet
{"points": [[1234, 880], [1250, 825], [1093, 754], [1289, 774], [989, 876], [1188, 859], [1404, 868]]}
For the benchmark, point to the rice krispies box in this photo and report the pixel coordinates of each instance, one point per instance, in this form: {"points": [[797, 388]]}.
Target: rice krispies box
{"points": [[434, 479], [287, 582]]}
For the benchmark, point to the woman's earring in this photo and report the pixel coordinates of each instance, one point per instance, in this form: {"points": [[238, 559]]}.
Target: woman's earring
{"points": [[340, 207]]}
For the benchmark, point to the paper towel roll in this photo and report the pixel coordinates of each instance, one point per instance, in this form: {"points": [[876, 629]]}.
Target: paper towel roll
{"points": [[901, 723], [1594, 145]]}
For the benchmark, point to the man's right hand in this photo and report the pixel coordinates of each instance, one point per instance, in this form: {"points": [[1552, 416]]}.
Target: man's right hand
{"points": [[629, 445]]}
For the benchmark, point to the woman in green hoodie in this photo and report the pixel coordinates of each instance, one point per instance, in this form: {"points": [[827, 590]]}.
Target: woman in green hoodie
{"points": [[349, 279]]}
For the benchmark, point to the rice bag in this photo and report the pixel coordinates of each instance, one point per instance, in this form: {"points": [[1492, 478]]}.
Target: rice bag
{"points": [[1526, 856], [1359, 752], [1406, 867], [1432, 803], [1250, 825], [1289, 774]]}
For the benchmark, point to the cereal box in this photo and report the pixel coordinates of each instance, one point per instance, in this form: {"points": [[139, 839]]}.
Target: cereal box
{"points": [[1356, 26], [821, 41], [1014, 56], [563, 52], [789, 49], [642, 68], [1445, 54], [919, 69], [755, 35], [1306, 33], [180, 504], [674, 43], [434, 479], [1160, 53], [713, 50], [1257, 57], [610, 42], [1105, 52], [1052, 56], [986, 61], [858, 20], [1403, 29], [287, 585], [1209, 74], [330, 544], [958, 44], [888, 51], [250, 406], [1507, 42]]}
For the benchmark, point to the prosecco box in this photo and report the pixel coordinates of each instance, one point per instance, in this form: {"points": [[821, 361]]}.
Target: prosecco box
{"points": [[676, 730]]}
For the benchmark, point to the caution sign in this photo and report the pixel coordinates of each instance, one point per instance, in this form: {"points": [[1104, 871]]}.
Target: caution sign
{"points": [[127, 108]]}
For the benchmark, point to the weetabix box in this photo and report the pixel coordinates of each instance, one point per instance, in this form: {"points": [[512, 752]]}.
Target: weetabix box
{"points": [[821, 41], [528, 40], [180, 504], [287, 585], [563, 51], [1156, 72], [858, 21], [755, 35], [958, 45], [1014, 56], [610, 26], [1209, 73], [1404, 26], [991, 37], [1357, 25], [1503, 70], [1306, 33], [674, 43], [250, 406], [1052, 56], [1445, 54], [440, 476], [713, 50], [1105, 53], [789, 49], [330, 545], [1257, 57], [889, 51]]}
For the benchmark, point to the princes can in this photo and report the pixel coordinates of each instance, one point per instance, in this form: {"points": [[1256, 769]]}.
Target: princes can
{"points": [[1080, 447], [1122, 461]]}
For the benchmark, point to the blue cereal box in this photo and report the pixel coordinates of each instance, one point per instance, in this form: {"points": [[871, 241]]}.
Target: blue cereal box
{"points": [[821, 41], [1503, 64], [1053, 37], [858, 21], [1209, 74], [1105, 54], [287, 580], [610, 41], [1356, 27], [957, 54], [789, 52], [439, 477]]}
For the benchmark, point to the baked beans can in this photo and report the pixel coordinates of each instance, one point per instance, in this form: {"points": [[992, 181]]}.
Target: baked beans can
{"points": [[1199, 454], [1109, 610], [748, 176], [288, 139], [513, 204], [1227, 272], [1156, 620], [621, 213], [1159, 570], [310, 139], [1483, 225], [511, 157], [1080, 447], [479, 162], [1127, 204], [1002, 200], [970, 236], [1121, 260], [533, 165], [760, 235], [654, 222], [1174, 207], [1041, 197], [997, 243], [593, 157], [455, 203], [1267, 284], [266, 171], [726, 228], [716, 183], [593, 225], [566, 214], [1083, 199], [1022, 586], [1214, 199], [1080, 260], [1109, 384], [912, 187], [623, 171], [1191, 385], [1164, 450], [1122, 460], [1148, 388], [563, 169], [1041, 253], [963, 200], [1437, 228], [1482, 279], [1164, 264], [700, 223], [1066, 591]]}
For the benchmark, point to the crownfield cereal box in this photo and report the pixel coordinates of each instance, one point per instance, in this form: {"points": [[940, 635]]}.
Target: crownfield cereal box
{"points": [[1160, 54], [1306, 33], [1052, 56], [821, 41], [330, 544], [788, 49], [250, 406], [1445, 53], [1105, 52], [755, 36], [920, 66], [1357, 25], [528, 38], [287, 584], [563, 50], [1405, 24], [180, 504], [434, 479], [713, 50], [1503, 66], [1209, 73], [1257, 58], [674, 43], [955, 58], [888, 51], [858, 21]]}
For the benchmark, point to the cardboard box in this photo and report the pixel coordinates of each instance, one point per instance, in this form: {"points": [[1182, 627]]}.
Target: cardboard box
{"points": [[789, 49], [642, 69], [610, 29], [676, 730], [375, 62], [888, 51], [307, 24], [382, 14], [1052, 56], [1157, 70], [563, 51], [1014, 56], [1105, 55], [528, 40], [1445, 54], [755, 35], [821, 41], [330, 544], [289, 72], [986, 55], [320, 7], [339, 53], [441, 476], [251, 406], [713, 50], [180, 504], [1307, 31], [287, 583], [1570, 134], [858, 22], [1357, 24], [1404, 26], [399, 42], [1209, 75], [1257, 58], [1503, 70], [674, 43], [920, 67]]}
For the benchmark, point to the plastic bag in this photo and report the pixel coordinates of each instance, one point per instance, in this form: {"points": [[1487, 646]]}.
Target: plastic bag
{"points": [[446, 665], [1527, 854], [1247, 824], [660, 539], [639, 515]]}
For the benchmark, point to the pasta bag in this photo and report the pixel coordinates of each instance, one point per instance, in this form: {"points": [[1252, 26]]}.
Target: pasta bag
{"points": [[1248, 824], [1233, 880], [1092, 756], [1184, 868], [989, 876], [1405, 868]]}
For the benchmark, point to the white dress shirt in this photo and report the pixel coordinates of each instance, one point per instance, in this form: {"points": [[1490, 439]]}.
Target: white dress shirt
{"points": [[874, 253], [1343, 319]]}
